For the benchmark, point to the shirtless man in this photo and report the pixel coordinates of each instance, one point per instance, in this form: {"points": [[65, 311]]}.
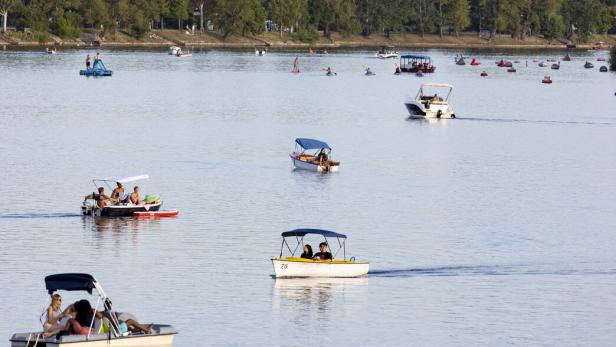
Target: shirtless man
{"points": [[101, 198], [117, 192]]}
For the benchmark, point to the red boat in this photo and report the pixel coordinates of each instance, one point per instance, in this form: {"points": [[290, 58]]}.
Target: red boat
{"points": [[474, 62], [567, 57], [167, 213]]}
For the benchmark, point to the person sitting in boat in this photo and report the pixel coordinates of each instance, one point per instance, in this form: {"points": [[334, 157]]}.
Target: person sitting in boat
{"points": [[307, 252], [135, 198], [398, 71], [436, 98], [368, 71], [84, 314], [329, 71], [323, 253], [101, 198], [322, 157], [117, 192], [52, 317]]}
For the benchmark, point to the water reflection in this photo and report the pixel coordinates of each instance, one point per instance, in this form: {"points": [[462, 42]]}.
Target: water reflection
{"points": [[103, 225], [308, 296]]}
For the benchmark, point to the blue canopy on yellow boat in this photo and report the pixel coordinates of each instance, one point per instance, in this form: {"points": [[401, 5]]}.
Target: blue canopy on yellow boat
{"points": [[311, 144], [302, 232]]}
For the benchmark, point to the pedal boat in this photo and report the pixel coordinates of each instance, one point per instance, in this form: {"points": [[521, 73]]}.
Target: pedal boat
{"points": [[162, 334], [305, 161], [424, 105], [387, 52], [90, 208], [294, 266], [98, 69]]}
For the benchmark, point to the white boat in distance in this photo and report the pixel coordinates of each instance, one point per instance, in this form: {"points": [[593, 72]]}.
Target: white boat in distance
{"points": [[428, 105], [91, 208], [318, 161], [173, 50], [294, 266], [387, 52], [162, 335]]}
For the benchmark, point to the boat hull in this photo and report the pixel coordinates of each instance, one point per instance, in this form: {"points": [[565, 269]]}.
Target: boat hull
{"points": [[97, 340], [387, 55], [297, 267], [304, 165], [119, 211], [417, 110]]}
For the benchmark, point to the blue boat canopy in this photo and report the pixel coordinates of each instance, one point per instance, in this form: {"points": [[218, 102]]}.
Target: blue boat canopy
{"points": [[311, 144], [412, 56], [69, 281], [303, 232]]}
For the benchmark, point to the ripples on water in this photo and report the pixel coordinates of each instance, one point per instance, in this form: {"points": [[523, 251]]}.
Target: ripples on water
{"points": [[493, 228]]}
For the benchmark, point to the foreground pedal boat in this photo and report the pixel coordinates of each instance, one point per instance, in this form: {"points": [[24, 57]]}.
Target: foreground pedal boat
{"points": [[162, 335]]}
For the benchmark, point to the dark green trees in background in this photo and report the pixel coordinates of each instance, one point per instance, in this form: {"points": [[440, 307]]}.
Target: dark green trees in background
{"points": [[576, 19]]}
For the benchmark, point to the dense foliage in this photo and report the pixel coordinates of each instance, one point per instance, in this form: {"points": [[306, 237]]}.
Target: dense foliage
{"points": [[302, 18]]}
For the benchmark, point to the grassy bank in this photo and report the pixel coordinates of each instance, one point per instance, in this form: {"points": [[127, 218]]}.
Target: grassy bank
{"points": [[167, 38]]}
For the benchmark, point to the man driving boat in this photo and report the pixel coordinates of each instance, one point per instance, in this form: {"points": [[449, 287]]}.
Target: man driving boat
{"points": [[101, 198]]}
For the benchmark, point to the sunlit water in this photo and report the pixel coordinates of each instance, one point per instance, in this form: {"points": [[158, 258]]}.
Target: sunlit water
{"points": [[495, 228]]}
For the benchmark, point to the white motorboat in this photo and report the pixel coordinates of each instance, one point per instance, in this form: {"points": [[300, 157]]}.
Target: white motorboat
{"points": [[318, 161], [295, 266], [173, 50], [260, 51], [114, 334], [387, 52], [123, 208], [429, 104]]}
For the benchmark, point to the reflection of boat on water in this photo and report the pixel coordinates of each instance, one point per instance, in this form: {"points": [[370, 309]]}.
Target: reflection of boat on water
{"points": [[124, 208], [294, 266], [105, 331]]}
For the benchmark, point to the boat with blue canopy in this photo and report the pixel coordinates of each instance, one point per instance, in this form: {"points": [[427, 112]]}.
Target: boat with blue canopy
{"points": [[107, 330], [313, 155], [303, 265], [416, 63], [97, 69]]}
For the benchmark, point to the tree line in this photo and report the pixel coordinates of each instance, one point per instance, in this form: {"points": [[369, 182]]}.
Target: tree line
{"points": [[303, 19]]}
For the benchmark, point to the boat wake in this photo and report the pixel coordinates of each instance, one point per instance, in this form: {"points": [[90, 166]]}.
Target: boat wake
{"points": [[505, 120], [489, 270], [38, 215]]}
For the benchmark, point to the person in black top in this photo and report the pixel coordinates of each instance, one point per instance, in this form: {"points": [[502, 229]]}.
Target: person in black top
{"points": [[323, 253], [307, 252], [322, 157]]}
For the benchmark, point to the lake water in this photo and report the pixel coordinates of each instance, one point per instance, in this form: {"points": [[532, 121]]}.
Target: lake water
{"points": [[496, 228]]}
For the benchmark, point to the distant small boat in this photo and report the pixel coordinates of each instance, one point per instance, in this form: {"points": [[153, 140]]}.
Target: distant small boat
{"points": [[597, 45], [474, 62], [543, 64], [387, 52], [483, 74], [571, 45], [546, 80], [555, 66], [588, 65], [603, 68], [511, 69], [461, 62], [260, 51], [173, 50], [551, 60], [567, 57], [600, 59], [52, 50]]}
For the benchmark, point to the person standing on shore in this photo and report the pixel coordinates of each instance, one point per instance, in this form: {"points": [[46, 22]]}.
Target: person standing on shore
{"points": [[88, 61]]}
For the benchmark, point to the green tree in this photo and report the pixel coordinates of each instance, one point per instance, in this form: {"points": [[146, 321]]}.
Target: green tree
{"points": [[95, 14], [178, 9], [458, 15], [239, 16], [5, 7]]}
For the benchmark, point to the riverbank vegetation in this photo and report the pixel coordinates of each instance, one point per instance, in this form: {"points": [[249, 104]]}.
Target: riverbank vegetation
{"points": [[309, 20]]}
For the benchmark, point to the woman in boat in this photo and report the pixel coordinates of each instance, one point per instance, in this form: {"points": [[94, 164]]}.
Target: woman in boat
{"points": [[323, 253], [80, 325], [307, 252], [52, 317], [134, 196], [322, 157]]}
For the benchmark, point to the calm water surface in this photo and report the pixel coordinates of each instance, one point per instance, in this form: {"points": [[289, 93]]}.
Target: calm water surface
{"points": [[497, 228]]}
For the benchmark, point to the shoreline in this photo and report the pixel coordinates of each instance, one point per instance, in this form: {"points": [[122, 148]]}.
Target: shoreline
{"points": [[167, 38]]}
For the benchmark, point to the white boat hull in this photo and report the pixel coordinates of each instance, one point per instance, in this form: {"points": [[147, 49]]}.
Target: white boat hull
{"points": [[101, 340], [387, 55], [284, 268], [417, 110], [304, 165]]}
